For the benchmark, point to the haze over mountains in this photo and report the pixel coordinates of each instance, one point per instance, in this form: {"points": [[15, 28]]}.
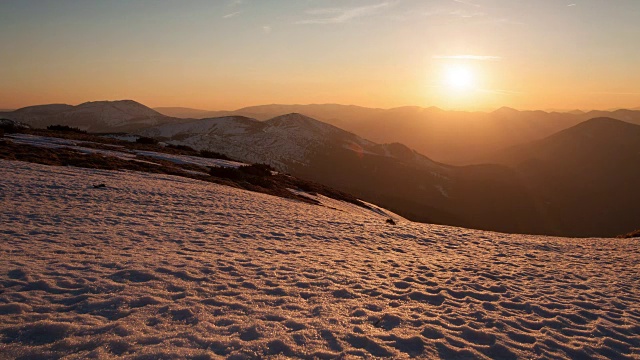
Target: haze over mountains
{"points": [[452, 137], [391, 175], [583, 176], [576, 182]]}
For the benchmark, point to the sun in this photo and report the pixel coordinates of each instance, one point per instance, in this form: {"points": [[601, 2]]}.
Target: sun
{"points": [[459, 78]]}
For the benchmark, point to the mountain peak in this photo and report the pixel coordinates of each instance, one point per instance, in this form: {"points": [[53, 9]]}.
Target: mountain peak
{"points": [[92, 116], [602, 128], [601, 122], [112, 102], [129, 107], [293, 117], [505, 110], [298, 120]]}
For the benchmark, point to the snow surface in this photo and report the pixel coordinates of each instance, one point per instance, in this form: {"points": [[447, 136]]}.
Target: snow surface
{"points": [[119, 151], [155, 266], [349, 207]]}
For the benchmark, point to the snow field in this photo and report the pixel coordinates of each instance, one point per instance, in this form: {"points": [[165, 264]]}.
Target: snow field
{"points": [[155, 266]]}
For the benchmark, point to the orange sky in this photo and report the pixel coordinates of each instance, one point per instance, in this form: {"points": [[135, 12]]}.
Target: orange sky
{"points": [[548, 54]]}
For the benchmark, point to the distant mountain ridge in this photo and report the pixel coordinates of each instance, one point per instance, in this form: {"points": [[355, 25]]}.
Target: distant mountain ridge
{"points": [[95, 116], [281, 141], [585, 178], [580, 181], [390, 175], [184, 112], [453, 137]]}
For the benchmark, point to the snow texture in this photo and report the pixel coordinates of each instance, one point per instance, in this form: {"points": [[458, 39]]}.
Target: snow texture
{"points": [[155, 266], [118, 151]]}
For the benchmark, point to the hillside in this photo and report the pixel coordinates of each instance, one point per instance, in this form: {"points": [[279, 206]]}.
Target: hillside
{"points": [[585, 177], [390, 175], [452, 137], [282, 141], [183, 112], [73, 148], [96, 116], [528, 190], [156, 266]]}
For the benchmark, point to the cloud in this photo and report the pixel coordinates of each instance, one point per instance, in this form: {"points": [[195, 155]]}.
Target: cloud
{"points": [[465, 2], [468, 57], [571, 5], [231, 15], [448, 12], [341, 15], [266, 29]]}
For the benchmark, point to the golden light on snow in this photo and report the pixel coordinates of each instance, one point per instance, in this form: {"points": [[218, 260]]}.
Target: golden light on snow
{"points": [[242, 307]]}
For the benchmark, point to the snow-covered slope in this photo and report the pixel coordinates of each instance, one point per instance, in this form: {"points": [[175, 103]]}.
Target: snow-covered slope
{"points": [[155, 266], [281, 141], [390, 175], [116, 151], [96, 116]]}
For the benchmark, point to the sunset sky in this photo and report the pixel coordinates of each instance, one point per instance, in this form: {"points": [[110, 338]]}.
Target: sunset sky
{"points": [[455, 54]]}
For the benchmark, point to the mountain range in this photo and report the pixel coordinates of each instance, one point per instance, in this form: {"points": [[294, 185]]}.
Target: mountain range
{"points": [[585, 178], [390, 175], [95, 116], [579, 181], [452, 137]]}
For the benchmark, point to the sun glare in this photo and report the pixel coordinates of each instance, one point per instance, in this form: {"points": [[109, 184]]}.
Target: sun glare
{"points": [[459, 78]]}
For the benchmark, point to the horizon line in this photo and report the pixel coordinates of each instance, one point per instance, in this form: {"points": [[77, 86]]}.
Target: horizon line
{"points": [[432, 107]]}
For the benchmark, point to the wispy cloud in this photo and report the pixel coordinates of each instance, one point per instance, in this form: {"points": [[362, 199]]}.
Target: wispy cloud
{"points": [[231, 15], [468, 57], [506, 21], [571, 5], [466, 2], [448, 12], [267, 29], [341, 15], [473, 9], [466, 14]]}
